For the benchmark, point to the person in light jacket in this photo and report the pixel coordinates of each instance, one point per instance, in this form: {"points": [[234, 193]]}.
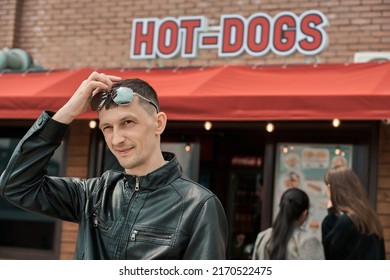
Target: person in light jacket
{"points": [[286, 240]]}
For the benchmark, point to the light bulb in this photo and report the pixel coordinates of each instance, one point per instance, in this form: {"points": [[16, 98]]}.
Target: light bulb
{"points": [[208, 125], [92, 124], [270, 127]]}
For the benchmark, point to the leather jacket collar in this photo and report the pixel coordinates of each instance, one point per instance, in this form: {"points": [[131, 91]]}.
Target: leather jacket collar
{"points": [[162, 176]]}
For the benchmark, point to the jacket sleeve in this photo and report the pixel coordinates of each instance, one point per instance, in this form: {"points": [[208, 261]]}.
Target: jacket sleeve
{"points": [[259, 252], [256, 248], [24, 182], [208, 239]]}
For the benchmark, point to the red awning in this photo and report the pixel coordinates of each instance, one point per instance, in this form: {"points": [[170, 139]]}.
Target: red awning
{"points": [[302, 92]]}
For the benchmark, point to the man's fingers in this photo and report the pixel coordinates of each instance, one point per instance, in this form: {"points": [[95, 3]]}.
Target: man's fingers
{"points": [[114, 78], [98, 82], [103, 78], [97, 86], [96, 90]]}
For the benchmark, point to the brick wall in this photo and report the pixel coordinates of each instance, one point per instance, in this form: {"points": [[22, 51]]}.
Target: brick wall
{"points": [[8, 13], [383, 191], [77, 166], [72, 33]]}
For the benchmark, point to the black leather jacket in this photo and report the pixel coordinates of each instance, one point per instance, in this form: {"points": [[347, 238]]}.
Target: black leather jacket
{"points": [[162, 215]]}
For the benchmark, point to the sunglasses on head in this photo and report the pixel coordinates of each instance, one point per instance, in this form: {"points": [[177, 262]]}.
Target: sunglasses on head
{"points": [[122, 96]]}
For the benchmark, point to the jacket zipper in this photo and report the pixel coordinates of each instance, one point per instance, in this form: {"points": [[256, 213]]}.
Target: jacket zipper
{"points": [[97, 223], [136, 188], [134, 234]]}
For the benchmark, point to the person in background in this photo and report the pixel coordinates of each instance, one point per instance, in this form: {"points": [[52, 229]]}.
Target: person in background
{"points": [[286, 240], [351, 230], [149, 211]]}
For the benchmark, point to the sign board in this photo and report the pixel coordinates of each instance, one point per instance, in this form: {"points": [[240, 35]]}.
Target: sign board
{"points": [[303, 166], [257, 35]]}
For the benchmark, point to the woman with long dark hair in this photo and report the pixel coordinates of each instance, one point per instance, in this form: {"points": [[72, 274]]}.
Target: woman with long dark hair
{"points": [[286, 240], [352, 229]]}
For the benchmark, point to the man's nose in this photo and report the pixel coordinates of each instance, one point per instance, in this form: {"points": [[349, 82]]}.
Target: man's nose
{"points": [[117, 137]]}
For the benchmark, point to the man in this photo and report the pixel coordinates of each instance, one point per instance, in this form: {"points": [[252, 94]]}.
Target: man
{"points": [[149, 211]]}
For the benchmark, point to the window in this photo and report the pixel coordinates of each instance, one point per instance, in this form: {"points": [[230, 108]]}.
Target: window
{"points": [[24, 235]]}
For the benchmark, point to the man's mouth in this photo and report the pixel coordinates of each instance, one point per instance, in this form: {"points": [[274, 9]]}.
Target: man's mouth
{"points": [[123, 151]]}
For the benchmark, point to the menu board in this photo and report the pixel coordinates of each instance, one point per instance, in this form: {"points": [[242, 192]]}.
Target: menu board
{"points": [[303, 166]]}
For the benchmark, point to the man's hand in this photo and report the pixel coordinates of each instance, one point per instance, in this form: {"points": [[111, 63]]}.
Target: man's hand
{"points": [[80, 101]]}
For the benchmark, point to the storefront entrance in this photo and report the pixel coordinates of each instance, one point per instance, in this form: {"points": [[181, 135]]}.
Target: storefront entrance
{"points": [[240, 163]]}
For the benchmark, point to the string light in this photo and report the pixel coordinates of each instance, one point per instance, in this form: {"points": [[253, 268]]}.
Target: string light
{"points": [[270, 127], [208, 125], [187, 148], [336, 122], [92, 124]]}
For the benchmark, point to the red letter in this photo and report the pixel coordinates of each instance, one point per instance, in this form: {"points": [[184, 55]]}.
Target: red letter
{"points": [[284, 34], [232, 35], [258, 35], [139, 38], [311, 31], [168, 38], [190, 38]]}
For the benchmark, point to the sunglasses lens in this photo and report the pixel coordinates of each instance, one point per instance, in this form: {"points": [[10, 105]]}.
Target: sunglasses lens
{"points": [[97, 101], [123, 96]]}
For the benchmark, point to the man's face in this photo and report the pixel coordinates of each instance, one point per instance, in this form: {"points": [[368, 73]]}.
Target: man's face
{"points": [[131, 135]]}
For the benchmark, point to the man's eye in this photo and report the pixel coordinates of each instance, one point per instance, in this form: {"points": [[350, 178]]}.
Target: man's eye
{"points": [[106, 128]]}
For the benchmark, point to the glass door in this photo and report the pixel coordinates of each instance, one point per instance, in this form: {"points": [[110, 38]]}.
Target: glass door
{"points": [[244, 209]]}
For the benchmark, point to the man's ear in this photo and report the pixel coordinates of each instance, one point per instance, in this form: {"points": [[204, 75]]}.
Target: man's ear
{"points": [[161, 119]]}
